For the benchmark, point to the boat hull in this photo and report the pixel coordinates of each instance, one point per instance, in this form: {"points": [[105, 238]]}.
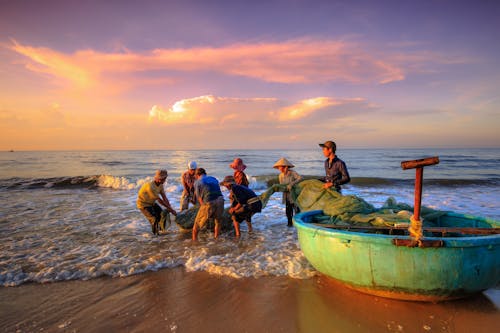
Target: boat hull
{"points": [[373, 264]]}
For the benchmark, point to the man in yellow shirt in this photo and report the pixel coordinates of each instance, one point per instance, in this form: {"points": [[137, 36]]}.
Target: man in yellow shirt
{"points": [[150, 194]]}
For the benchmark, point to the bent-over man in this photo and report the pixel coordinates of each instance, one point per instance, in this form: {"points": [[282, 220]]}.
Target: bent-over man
{"points": [[209, 195], [244, 203], [150, 194]]}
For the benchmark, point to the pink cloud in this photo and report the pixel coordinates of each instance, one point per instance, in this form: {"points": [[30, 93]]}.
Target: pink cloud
{"points": [[294, 61], [248, 112], [214, 110]]}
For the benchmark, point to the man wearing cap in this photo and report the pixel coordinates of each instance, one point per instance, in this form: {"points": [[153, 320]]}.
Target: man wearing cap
{"points": [[244, 203], [335, 168], [188, 179], [150, 194], [209, 195], [289, 178]]}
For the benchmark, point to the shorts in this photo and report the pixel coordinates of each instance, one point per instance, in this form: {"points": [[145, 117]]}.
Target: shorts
{"points": [[210, 210], [247, 210], [157, 217]]}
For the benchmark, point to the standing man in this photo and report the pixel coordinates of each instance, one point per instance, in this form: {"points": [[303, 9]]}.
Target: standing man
{"points": [[149, 194], [188, 179], [244, 203], [209, 195], [289, 178], [335, 168]]}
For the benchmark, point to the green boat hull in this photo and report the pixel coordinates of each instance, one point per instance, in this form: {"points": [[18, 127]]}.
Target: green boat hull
{"points": [[373, 264]]}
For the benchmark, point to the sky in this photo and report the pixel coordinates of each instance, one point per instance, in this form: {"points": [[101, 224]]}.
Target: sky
{"points": [[86, 75]]}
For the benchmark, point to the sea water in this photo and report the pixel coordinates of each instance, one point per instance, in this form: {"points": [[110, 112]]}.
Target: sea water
{"points": [[72, 215]]}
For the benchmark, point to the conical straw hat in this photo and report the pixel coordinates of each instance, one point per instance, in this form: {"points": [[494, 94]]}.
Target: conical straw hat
{"points": [[283, 162]]}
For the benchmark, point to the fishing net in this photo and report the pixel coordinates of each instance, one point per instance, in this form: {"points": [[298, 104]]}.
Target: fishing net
{"points": [[185, 220], [349, 209], [340, 209]]}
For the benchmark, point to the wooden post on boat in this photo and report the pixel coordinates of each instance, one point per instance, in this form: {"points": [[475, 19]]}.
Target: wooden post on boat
{"points": [[416, 228]]}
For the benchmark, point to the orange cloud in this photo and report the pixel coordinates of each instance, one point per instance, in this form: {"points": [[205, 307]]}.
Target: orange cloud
{"points": [[211, 109], [295, 61], [304, 108], [45, 60], [239, 112]]}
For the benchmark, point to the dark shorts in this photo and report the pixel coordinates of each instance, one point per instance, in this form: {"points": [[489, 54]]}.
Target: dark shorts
{"points": [[154, 215], [246, 212]]}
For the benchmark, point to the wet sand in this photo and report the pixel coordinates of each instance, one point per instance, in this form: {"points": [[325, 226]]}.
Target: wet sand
{"points": [[172, 300]]}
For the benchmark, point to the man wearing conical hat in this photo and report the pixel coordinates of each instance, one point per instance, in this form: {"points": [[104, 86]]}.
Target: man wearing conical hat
{"points": [[290, 178]]}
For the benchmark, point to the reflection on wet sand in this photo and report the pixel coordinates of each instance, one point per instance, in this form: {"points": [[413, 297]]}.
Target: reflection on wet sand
{"points": [[331, 307], [174, 300]]}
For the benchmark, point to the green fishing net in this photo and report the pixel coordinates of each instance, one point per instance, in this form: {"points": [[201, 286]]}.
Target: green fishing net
{"points": [[340, 209], [348, 209], [185, 219]]}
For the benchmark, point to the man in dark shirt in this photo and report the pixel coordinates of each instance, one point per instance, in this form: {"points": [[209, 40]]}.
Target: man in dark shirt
{"points": [[335, 168], [244, 203]]}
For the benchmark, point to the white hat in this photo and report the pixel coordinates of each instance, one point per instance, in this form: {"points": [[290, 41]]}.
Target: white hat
{"points": [[283, 162], [192, 165]]}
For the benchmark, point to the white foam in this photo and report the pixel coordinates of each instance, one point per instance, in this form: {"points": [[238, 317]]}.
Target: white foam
{"points": [[119, 183]]}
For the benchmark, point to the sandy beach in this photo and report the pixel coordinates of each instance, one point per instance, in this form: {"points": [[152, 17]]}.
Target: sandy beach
{"points": [[172, 300]]}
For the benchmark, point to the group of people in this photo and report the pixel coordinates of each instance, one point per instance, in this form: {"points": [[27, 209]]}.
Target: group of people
{"points": [[199, 188]]}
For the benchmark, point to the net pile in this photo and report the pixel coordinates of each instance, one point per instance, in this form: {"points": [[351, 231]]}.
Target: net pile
{"points": [[349, 209], [342, 209]]}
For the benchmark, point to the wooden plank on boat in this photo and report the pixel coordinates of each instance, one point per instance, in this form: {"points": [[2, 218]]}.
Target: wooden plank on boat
{"points": [[442, 230], [419, 243]]}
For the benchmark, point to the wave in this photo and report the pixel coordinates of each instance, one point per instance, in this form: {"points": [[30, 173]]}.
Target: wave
{"points": [[256, 182], [82, 182]]}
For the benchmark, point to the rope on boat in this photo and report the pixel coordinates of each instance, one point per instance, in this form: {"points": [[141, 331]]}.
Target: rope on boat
{"points": [[415, 230]]}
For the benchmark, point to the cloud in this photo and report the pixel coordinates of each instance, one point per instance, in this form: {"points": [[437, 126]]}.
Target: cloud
{"points": [[289, 62], [211, 109], [250, 112], [308, 107], [45, 60]]}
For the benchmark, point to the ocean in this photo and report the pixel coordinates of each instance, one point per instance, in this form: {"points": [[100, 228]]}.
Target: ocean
{"points": [[70, 215]]}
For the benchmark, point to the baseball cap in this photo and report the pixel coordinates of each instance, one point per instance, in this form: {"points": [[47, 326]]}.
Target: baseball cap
{"points": [[328, 144]]}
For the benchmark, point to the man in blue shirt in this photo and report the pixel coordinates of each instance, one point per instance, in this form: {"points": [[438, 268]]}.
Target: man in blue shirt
{"points": [[244, 203], [335, 168], [209, 195]]}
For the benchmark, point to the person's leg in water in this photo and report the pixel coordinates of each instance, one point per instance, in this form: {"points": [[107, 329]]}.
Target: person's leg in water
{"points": [[236, 226], [153, 215], [195, 233], [289, 213], [200, 220], [219, 210], [248, 219], [157, 213]]}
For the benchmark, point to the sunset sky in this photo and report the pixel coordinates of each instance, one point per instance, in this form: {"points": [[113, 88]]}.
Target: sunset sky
{"points": [[248, 74]]}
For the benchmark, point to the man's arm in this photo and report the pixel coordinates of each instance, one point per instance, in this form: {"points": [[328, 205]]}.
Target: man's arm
{"points": [[164, 201], [345, 175]]}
